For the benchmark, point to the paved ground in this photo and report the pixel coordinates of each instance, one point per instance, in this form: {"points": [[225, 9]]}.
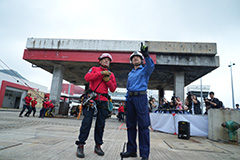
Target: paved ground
{"points": [[30, 138]]}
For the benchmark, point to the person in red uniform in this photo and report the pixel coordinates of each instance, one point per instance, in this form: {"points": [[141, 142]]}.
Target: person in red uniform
{"points": [[27, 100], [45, 107], [32, 108], [121, 113], [51, 106], [101, 79]]}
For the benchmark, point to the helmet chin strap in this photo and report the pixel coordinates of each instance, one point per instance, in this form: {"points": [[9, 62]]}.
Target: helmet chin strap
{"points": [[138, 64], [104, 66]]}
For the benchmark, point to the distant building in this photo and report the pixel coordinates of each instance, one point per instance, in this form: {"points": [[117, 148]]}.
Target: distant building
{"points": [[72, 89], [14, 88], [196, 90]]}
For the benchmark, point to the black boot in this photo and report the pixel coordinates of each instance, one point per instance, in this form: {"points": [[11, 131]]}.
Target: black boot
{"points": [[98, 150], [128, 154], [144, 158], [80, 151]]}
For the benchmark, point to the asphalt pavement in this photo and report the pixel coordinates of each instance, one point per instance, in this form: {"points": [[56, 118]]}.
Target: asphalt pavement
{"points": [[33, 138]]}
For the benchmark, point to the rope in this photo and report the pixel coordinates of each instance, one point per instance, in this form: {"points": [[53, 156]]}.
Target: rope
{"points": [[23, 82]]}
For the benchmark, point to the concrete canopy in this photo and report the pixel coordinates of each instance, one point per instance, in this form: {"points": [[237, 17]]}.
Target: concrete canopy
{"points": [[78, 56]]}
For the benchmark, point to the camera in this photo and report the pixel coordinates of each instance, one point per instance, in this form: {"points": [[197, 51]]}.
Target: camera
{"points": [[173, 97], [173, 101], [150, 100], [189, 95], [206, 103], [150, 104]]}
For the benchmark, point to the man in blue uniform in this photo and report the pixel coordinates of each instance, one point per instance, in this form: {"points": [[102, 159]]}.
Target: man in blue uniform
{"points": [[137, 104]]}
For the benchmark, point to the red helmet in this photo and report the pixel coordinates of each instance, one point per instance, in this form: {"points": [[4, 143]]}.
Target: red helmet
{"points": [[105, 55]]}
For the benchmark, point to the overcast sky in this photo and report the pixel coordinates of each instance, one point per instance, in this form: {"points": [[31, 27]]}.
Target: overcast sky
{"points": [[215, 21]]}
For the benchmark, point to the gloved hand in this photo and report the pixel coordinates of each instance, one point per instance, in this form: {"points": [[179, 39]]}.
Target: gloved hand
{"points": [[144, 50], [106, 73], [106, 78]]}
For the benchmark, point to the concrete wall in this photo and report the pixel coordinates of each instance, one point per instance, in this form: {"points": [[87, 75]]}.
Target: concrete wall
{"points": [[215, 118]]}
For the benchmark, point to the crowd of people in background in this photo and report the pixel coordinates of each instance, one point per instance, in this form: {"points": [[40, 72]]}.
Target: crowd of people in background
{"points": [[30, 104], [191, 105], [175, 105]]}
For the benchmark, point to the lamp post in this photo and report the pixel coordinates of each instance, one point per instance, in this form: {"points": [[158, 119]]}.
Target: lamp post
{"points": [[232, 64]]}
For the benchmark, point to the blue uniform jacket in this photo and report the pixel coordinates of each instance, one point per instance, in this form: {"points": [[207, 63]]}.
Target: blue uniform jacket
{"points": [[138, 79]]}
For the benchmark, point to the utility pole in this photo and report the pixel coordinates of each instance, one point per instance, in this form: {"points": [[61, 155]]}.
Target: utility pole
{"points": [[232, 64], [201, 95]]}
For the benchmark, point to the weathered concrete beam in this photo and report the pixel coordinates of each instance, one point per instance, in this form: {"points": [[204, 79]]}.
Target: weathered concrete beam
{"points": [[190, 60], [121, 45], [81, 44], [182, 47]]}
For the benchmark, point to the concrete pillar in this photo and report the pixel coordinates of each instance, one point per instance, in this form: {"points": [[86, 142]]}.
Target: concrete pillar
{"points": [[179, 85], [23, 95], [56, 87]]}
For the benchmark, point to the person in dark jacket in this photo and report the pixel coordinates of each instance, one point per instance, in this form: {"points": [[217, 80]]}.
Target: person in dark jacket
{"points": [[212, 102], [196, 105]]}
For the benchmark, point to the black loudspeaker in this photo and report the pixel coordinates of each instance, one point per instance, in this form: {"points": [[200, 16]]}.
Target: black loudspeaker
{"points": [[183, 130]]}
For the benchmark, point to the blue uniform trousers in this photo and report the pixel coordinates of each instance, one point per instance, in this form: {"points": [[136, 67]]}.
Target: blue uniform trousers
{"points": [[137, 113], [43, 112], [88, 113], [24, 107]]}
